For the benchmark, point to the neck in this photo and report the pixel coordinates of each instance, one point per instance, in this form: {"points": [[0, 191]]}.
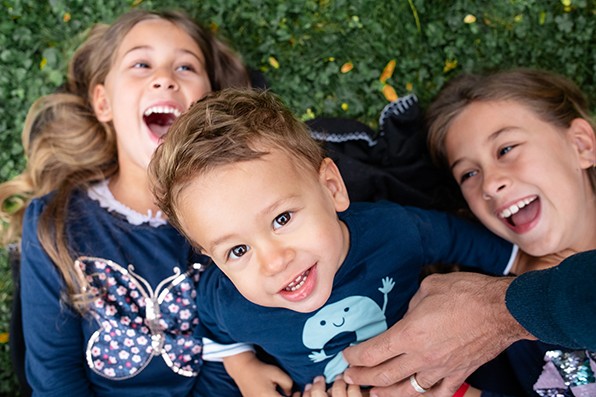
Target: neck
{"points": [[133, 193]]}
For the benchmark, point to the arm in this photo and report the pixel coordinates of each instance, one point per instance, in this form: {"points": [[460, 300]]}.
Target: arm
{"points": [[550, 303], [252, 376], [456, 322], [55, 357], [255, 378]]}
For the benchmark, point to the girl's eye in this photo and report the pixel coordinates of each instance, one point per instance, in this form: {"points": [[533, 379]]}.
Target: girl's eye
{"points": [[504, 150], [238, 251], [281, 220], [467, 175], [141, 65], [186, 68]]}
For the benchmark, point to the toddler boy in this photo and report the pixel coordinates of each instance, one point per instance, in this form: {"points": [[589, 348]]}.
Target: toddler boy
{"points": [[300, 271]]}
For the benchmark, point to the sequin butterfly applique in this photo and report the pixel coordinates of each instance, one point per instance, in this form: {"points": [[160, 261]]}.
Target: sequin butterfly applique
{"points": [[137, 322]]}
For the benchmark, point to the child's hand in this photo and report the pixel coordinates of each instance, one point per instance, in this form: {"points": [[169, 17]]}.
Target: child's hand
{"points": [[255, 378], [339, 389]]}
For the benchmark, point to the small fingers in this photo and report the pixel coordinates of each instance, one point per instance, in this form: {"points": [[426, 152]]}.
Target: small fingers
{"points": [[341, 389], [316, 389]]}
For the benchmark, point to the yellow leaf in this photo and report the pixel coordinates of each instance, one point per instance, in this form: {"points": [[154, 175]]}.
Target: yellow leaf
{"points": [[331, 59], [389, 93], [43, 63], [387, 71], [344, 107], [450, 64], [274, 63], [213, 27], [542, 18], [308, 115], [136, 2], [4, 337], [409, 86], [346, 67], [469, 19], [566, 3], [66, 17]]}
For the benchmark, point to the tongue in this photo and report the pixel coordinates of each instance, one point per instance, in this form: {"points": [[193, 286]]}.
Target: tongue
{"points": [[526, 214], [159, 123], [158, 129]]}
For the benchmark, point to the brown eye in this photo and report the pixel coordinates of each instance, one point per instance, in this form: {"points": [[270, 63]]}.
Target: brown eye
{"points": [[238, 251], [282, 219]]}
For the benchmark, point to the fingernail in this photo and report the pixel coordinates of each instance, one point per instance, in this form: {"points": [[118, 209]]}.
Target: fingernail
{"points": [[319, 379], [307, 387], [348, 380]]}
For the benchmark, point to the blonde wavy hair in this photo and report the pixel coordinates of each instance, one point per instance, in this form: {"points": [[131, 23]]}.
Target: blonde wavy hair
{"points": [[67, 148]]}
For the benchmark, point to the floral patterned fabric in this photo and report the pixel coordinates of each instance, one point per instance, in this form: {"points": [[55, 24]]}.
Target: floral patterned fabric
{"points": [[138, 323]]}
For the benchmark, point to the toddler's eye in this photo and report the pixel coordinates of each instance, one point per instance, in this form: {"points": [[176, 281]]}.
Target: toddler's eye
{"points": [[281, 220], [238, 251]]}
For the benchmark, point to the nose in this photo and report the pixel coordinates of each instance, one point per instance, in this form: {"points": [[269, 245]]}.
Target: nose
{"points": [[494, 183], [164, 80], [275, 258]]}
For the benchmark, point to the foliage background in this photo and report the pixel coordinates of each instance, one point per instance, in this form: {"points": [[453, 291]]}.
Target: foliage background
{"points": [[324, 57]]}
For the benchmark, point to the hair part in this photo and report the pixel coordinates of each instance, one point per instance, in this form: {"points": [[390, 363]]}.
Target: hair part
{"points": [[224, 128], [552, 97]]}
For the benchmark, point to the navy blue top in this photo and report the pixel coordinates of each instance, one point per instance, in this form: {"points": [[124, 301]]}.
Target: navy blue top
{"points": [[389, 244], [556, 305], [116, 338]]}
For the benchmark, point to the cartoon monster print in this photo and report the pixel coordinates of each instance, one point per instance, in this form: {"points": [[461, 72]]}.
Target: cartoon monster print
{"points": [[359, 314]]}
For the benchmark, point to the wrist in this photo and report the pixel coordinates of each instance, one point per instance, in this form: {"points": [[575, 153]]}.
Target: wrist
{"points": [[461, 392]]}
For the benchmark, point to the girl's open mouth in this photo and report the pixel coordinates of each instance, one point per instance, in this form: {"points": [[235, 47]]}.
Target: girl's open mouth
{"points": [[159, 119], [520, 215]]}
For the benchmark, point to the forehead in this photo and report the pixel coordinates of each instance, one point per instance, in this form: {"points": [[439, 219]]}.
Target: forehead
{"points": [[151, 33], [223, 198]]}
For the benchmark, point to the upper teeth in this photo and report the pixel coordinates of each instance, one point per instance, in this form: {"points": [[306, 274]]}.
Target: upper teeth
{"points": [[514, 209], [298, 282], [162, 109]]}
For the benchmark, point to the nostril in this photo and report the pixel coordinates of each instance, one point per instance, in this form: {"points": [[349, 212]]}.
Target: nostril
{"points": [[156, 85]]}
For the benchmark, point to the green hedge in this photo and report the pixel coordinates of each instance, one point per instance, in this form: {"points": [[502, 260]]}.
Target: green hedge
{"points": [[323, 57]]}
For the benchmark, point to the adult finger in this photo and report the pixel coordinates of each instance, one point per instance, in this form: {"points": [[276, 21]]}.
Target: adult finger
{"points": [[375, 350], [386, 373]]}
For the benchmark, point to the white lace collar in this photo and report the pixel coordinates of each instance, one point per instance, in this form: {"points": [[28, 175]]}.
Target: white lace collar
{"points": [[101, 193]]}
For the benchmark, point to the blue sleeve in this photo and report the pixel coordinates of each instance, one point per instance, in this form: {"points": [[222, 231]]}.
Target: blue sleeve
{"points": [[557, 305], [211, 303], [213, 380], [453, 240], [55, 357]]}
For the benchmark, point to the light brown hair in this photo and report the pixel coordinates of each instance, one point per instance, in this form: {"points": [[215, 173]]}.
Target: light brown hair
{"points": [[553, 98], [223, 128]]}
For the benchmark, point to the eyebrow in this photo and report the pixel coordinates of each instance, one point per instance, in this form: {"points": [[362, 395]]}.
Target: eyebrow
{"points": [[148, 47], [265, 211], [491, 137]]}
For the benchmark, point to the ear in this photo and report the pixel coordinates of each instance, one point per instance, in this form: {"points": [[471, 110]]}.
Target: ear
{"points": [[331, 179], [101, 104], [583, 139]]}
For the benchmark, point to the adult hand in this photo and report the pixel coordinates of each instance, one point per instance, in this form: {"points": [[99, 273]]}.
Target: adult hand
{"points": [[455, 323]]}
